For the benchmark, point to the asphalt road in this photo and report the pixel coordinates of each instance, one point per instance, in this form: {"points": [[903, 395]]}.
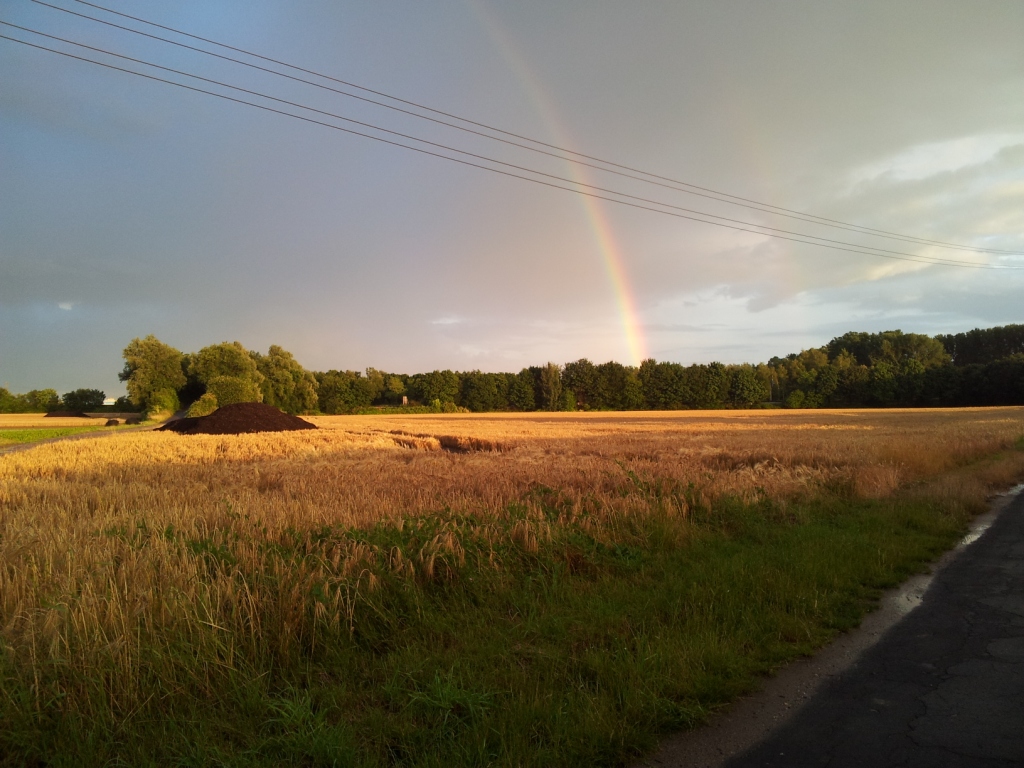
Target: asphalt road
{"points": [[943, 687]]}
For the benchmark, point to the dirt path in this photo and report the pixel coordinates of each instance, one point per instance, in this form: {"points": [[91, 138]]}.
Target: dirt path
{"points": [[935, 677]]}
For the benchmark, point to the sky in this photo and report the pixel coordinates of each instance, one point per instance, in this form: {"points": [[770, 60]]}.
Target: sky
{"points": [[131, 207]]}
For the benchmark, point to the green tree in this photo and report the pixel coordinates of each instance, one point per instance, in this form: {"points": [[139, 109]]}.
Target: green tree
{"points": [[551, 387], [83, 400], [442, 386], [581, 377], [479, 391], [746, 387], [520, 390], [229, 358], [229, 364], [203, 406], [984, 345], [343, 392], [286, 384], [894, 347], [151, 368], [229, 390]]}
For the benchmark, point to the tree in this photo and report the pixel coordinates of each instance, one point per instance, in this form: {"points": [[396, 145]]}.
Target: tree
{"points": [[746, 387], [229, 358], [33, 401], [984, 345], [581, 377], [83, 399], [203, 406], [229, 390], [551, 387], [706, 386], [151, 369], [342, 392], [442, 386], [893, 347], [233, 369], [286, 384], [520, 390], [479, 391], [662, 385]]}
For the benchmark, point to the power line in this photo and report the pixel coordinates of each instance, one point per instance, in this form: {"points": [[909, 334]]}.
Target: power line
{"points": [[879, 251], [851, 248], [679, 186]]}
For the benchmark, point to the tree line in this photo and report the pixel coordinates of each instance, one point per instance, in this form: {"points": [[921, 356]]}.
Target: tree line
{"points": [[889, 369], [48, 401]]}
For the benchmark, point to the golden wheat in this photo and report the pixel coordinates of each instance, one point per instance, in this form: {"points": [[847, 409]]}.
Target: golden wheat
{"points": [[113, 549]]}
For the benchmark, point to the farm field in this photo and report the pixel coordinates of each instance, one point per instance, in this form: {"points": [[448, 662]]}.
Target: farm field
{"points": [[21, 428], [500, 589]]}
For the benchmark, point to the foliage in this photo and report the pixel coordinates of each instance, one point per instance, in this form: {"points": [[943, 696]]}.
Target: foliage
{"points": [[854, 370], [151, 368], [163, 401], [229, 358], [33, 401], [549, 386], [893, 347], [436, 385], [83, 400], [204, 406], [982, 346], [521, 391], [286, 384], [746, 387], [343, 391], [228, 390]]}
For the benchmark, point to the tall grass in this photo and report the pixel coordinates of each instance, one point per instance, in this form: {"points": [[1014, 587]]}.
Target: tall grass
{"points": [[556, 592]]}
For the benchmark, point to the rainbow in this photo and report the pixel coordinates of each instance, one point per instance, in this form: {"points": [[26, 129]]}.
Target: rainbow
{"points": [[600, 225]]}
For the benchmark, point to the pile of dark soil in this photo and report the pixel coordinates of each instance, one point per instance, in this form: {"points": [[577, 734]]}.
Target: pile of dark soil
{"points": [[66, 415], [238, 419]]}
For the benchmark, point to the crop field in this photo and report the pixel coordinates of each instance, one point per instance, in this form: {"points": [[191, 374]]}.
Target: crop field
{"points": [[538, 589], [41, 420]]}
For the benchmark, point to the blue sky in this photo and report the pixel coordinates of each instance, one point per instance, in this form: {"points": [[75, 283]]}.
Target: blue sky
{"points": [[129, 207]]}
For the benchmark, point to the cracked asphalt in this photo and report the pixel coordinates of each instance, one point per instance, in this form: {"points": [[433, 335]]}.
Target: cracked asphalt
{"points": [[943, 687]]}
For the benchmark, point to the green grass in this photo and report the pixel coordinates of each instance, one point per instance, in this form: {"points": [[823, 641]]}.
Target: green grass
{"points": [[578, 654], [34, 435]]}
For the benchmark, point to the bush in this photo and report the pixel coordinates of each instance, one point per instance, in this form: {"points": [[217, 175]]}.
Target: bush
{"points": [[204, 406], [163, 401], [230, 389]]}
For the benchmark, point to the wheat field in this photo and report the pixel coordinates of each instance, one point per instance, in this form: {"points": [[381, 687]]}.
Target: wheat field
{"points": [[117, 553]]}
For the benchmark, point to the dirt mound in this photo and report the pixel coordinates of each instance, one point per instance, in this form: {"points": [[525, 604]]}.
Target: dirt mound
{"points": [[237, 419], [66, 415]]}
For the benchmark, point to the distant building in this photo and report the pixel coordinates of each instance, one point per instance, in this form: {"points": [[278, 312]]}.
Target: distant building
{"points": [[109, 400]]}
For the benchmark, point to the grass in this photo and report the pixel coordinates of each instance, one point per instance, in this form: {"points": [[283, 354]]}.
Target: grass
{"points": [[21, 436], [364, 597]]}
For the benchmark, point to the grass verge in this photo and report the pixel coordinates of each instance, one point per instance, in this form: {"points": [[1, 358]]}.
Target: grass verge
{"points": [[34, 435], [536, 639]]}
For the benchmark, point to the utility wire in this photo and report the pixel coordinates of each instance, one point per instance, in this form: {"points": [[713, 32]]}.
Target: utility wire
{"points": [[483, 157], [679, 186], [861, 250]]}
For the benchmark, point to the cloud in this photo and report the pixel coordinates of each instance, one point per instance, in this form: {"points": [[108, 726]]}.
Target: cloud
{"points": [[67, 306], [926, 160]]}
